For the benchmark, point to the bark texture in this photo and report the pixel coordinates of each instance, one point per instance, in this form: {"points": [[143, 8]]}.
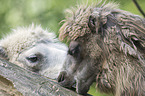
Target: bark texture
{"points": [[16, 81]]}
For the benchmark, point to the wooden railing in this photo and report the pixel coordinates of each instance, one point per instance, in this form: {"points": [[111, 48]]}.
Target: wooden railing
{"points": [[16, 81]]}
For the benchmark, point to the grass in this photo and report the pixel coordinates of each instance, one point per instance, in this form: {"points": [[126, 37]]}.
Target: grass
{"points": [[94, 92]]}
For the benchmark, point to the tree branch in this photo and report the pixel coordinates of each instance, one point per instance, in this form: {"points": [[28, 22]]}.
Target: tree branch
{"points": [[17, 81], [139, 8]]}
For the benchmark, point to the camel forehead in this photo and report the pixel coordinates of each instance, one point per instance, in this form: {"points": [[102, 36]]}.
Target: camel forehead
{"points": [[24, 37], [45, 49]]}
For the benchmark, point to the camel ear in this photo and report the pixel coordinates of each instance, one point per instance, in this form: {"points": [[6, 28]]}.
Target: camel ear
{"points": [[96, 25], [92, 23], [3, 53]]}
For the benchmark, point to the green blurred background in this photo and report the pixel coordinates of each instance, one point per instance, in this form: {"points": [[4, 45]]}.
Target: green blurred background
{"points": [[48, 13]]}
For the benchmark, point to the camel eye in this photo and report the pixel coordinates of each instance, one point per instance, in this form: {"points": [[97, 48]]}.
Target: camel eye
{"points": [[32, 58], [74, 51]]}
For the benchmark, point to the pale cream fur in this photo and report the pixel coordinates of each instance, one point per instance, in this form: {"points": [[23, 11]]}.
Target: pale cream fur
{"points": [[22, 38]]}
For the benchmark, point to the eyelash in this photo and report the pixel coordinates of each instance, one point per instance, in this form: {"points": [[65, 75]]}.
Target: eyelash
{"points": [[34, 58]]}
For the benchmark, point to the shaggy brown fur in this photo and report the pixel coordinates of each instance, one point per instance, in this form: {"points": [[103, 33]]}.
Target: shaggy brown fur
{"points": [[115, 40]]}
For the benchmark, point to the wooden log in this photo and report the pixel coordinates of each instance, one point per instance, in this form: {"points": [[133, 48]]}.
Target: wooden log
{"points": [[16, 81]]}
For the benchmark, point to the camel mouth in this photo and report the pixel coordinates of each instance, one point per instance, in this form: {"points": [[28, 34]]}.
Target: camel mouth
{"points": [[68, 84], [72, 84], [73, 87]]}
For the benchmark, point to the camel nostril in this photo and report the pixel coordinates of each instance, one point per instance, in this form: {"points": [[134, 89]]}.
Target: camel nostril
{"points": [[66, 81], [61, 76]]}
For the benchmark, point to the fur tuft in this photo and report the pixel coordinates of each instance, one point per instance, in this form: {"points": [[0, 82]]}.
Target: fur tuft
{"points": [[76, 22], [24, 37]]}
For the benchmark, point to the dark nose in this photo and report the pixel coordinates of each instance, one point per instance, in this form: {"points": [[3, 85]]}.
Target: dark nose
{"points": [[66, 81], [61, 76]]}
